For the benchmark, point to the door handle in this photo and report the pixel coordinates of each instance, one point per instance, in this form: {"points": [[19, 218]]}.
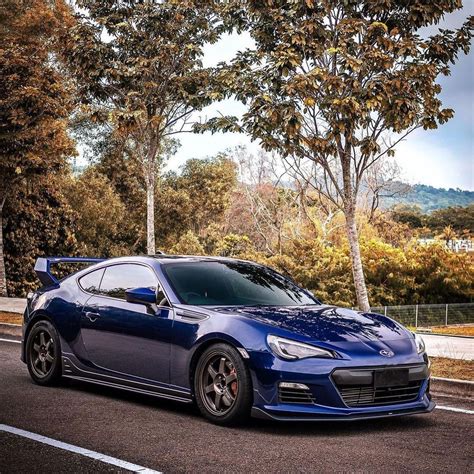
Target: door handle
{"points": [[92, 317]]}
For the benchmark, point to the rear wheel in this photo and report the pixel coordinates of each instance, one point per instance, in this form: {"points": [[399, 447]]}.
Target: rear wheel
{"points": [[222, 385], [43, 354]]}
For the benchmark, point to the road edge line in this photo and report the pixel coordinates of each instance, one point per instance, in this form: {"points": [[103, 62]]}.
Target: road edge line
{"points": [[78, 450], [457, 410], [9, 340]]}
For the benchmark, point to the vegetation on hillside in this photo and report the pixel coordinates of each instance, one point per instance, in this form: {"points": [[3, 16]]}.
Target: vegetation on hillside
{"points": [[429, 198]]}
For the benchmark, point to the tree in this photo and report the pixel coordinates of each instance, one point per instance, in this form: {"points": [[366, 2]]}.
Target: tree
{"points": [[34, 99], [331, 81], [99, 221], [460, 219], [195, 198], [38, 221], [269, 204], [138, 66]]}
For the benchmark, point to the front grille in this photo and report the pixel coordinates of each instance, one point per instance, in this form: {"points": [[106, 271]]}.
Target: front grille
{"points": [[363, 395], [295, 395]]}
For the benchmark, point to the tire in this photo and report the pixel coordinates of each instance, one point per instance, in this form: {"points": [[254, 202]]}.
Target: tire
{"points": [[222, 385], [43, 354]]}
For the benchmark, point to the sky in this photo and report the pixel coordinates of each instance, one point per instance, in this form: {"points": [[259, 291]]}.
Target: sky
{"points": [[442, 158]]}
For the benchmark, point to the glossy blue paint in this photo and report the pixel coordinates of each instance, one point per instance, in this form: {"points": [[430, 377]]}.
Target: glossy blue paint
{"points": [[140, 295], [136, 345]]}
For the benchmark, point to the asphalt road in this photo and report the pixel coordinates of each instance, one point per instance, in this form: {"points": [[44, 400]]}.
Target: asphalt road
{"points": [[171, 437]]}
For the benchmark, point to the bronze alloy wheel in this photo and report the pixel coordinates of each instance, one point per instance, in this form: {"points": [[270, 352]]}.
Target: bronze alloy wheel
{"points": [[222, 385], [43, 353], [219, 384]]}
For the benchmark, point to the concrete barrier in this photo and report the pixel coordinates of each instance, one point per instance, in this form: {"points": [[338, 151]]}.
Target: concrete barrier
{"points": [[452, 387], [7, 329], [13, 305]]}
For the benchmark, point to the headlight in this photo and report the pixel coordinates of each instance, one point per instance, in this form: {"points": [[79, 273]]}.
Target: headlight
{"points": [[291, 350], [420, 344]]}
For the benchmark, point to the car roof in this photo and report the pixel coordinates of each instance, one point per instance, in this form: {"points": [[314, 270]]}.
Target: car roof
{"points": [[164, 259]]}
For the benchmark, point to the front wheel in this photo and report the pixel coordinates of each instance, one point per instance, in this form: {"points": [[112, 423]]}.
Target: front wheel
{"points": [[222, 385], [43, 354]]}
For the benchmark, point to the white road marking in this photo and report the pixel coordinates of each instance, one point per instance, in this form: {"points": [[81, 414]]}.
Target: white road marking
{"points": [[459, 410], [78, 450], [9, 340]]}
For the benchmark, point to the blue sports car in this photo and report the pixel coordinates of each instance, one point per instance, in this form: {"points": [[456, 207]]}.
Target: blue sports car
{"points": [[234, 337]]}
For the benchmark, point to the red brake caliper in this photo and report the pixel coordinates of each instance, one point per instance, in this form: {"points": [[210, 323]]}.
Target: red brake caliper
{"points": [[233, 385]]}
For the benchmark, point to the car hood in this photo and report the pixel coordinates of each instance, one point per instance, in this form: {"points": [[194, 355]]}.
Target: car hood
{"points": [[325, 323]]}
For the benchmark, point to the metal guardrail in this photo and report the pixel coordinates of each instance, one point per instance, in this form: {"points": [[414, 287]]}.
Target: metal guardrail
{"points": [[424, 315]]}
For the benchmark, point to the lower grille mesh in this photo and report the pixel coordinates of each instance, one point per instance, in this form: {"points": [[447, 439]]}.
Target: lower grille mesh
{"points": [[367, 395]]}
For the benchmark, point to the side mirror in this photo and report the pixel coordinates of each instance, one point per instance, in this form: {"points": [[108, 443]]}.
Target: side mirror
{"points": [[140, 295]]}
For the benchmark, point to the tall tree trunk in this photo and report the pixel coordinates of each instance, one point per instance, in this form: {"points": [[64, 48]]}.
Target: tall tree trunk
{"points": [[350, 200], [356, 261], [150, 178], [3, 275], [150, 212]]}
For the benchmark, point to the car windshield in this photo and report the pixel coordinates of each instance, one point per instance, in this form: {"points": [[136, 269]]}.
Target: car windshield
{"points": [[233, 284]]}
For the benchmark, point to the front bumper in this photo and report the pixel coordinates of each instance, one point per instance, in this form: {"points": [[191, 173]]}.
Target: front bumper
{"points": [[283, 413], [325, 399]]}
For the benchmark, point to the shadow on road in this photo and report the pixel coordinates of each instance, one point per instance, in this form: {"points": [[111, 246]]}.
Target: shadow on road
{"points": [[341, 428], [309, 428]]}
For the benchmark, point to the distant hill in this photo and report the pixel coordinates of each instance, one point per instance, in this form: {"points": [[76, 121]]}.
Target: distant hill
{"points": [[429, 198]]}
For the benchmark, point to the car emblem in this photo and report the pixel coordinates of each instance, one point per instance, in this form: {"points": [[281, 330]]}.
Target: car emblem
{"points": [[386, 353]]}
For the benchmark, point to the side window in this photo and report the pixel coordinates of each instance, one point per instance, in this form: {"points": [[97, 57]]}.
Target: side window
{"points": [[118, 278], [91, 281]]}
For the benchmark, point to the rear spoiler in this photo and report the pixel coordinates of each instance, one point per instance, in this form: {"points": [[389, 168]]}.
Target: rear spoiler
{"points": [[43, 267]]}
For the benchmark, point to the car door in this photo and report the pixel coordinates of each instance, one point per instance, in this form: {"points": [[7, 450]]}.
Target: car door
{"points": [[132, 339]]}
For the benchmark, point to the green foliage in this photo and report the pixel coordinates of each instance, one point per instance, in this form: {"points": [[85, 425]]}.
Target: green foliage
{"points": [[195, 199], [395, 276], [188, 244], [38, 222], [34, 102], [459, 219], [232, 245], [100, 214], [139, 70], [34, 99]]}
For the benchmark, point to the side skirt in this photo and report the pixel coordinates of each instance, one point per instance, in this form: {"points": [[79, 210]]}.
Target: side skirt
{"points": [[130, 389], [71, 370]]}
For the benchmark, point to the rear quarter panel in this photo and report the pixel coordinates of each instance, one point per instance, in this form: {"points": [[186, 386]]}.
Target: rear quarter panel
{"points": [[62, 305]]}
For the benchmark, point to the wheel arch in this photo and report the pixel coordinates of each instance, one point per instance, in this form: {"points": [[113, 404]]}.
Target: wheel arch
{"points": [[38, 315], [206, 342]]}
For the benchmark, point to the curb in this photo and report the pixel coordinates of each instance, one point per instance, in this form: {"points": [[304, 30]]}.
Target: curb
{"points": [[7, 329], [452, 387]]}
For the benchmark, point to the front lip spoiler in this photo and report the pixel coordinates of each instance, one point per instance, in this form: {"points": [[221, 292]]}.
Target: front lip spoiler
{"points": [[264, 415]]}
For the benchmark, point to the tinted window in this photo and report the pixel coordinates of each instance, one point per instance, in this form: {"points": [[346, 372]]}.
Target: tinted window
{"points": [[233, 283], [91, 281], [118, 278]]}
